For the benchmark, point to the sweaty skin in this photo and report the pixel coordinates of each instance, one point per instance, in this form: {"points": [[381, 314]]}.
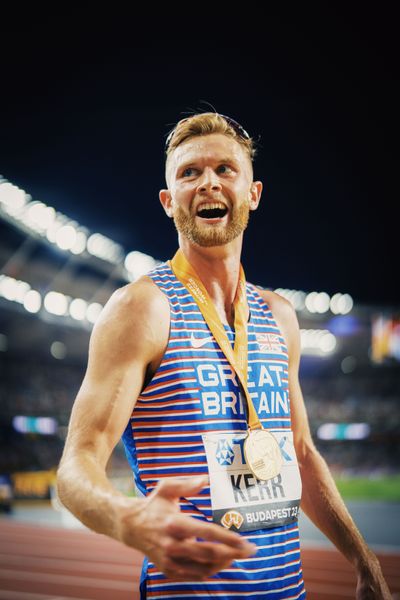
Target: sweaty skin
{"points": [[127, 344]]}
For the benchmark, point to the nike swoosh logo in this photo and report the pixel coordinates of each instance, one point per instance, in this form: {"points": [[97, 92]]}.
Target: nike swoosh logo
{"points": [[199, 342]]}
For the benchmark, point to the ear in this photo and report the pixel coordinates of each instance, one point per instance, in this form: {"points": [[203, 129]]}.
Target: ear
{"points": [[255, 194], [166, 201]]}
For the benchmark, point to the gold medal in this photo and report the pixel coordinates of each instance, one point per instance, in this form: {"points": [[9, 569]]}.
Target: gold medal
{"points": [[262, 451], [263, 455]]}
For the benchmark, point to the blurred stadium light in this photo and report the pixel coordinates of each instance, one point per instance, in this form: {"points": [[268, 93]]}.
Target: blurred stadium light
{"points": [[37, 219], [343, 431]]}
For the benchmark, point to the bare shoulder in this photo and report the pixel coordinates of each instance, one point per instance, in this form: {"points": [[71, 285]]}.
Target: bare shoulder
{"points": [[143, 296], [286, 318], [277, 303], [136, 314]]}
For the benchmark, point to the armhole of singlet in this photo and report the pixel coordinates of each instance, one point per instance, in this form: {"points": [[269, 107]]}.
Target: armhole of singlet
{"points": [[147, 383], [256, 293]]}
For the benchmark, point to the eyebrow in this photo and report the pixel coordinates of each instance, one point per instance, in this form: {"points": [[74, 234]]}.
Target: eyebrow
{"points": [[221, 161]]}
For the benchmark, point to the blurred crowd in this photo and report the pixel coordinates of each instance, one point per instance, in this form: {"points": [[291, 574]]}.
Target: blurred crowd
{"points": [[371, 397], [36, 388]]}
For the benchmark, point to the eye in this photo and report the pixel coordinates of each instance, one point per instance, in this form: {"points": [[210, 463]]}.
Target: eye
{"points": [[225, 167], [184, 173]]}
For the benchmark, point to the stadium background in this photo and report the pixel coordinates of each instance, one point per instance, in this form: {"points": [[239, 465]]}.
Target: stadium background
{"points": [[83, 127]]}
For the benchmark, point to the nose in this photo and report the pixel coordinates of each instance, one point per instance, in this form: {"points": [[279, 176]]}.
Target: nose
{"points": [[209, 181]]}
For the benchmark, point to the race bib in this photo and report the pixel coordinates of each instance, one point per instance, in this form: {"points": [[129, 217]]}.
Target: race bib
{"points": [[239, 500]]}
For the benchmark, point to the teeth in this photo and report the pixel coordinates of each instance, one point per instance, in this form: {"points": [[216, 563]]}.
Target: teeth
{"points": [[211, 206]]}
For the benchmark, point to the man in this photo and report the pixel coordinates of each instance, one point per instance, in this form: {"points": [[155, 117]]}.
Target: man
{"points": [[198, 371]]}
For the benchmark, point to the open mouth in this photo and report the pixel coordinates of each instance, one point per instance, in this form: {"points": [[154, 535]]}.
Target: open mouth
{"points": [[212, 211]]}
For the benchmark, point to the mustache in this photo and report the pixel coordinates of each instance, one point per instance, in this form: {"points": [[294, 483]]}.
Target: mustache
{"points": [[230, 205]]}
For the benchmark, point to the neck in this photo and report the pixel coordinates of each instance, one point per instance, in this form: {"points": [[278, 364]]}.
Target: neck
{"points": [[218, 268]]}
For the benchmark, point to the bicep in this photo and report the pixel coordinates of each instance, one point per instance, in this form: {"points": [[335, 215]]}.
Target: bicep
{"points": [[300, 425], [103, 406], [122, 344], [286, 318]]}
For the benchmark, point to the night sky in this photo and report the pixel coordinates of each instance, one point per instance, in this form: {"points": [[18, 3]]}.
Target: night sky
{"points": [[86, 105]]}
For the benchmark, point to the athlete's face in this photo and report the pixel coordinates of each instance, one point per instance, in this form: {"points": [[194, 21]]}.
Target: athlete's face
{"points": [[211, 189]]}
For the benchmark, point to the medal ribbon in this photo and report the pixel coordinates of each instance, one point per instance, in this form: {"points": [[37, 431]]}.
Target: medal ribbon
{"points": [[237, 357]]}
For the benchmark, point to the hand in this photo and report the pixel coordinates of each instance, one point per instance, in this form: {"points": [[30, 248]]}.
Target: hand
{"points": [[157, 528], [371, 584]]}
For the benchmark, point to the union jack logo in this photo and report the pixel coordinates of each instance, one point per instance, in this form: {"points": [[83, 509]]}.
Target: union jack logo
{"points": [[269, 342]]}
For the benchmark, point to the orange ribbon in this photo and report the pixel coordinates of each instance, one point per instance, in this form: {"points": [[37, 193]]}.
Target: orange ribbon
{"points": [[238, 356]]}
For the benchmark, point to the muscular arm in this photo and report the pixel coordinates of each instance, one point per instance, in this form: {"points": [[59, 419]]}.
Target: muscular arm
{"points": [[321, 500], [130, 335], [121, 346]]}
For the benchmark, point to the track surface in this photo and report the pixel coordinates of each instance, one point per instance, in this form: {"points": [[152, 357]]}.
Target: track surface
{"points": [[54, 563]]}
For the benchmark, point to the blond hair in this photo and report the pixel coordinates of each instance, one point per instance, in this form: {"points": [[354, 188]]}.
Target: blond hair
{"points": [[205, 124]]}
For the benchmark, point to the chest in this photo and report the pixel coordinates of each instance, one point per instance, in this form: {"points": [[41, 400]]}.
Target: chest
{"points": [[201, 373]]}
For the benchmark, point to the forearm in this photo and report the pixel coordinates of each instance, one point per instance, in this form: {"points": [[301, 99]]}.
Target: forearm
{"points": [[323, 504], [83, 488]]}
